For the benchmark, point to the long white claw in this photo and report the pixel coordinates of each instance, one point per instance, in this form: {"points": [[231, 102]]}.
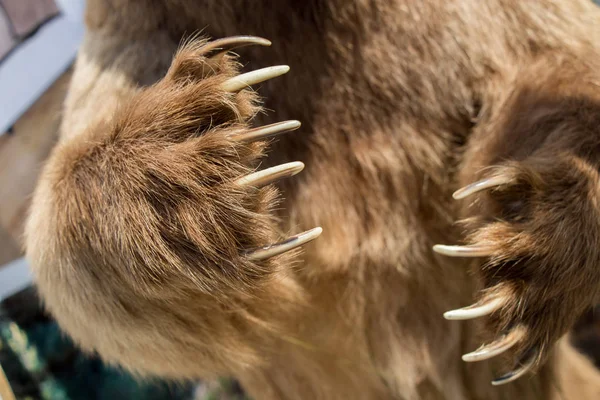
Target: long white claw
{"points": [[476, 310], [270, 175], [517, 373], [243, 81], [462, 251], [497, 347], [265, 132], [481, 185], [232, 42], [287, 245]]}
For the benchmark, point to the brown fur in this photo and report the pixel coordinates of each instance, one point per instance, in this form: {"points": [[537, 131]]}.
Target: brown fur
{"points": [[137, 233]]}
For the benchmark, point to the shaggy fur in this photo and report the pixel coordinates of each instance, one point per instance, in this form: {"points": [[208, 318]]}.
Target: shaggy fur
{"points": [[137, 234]]}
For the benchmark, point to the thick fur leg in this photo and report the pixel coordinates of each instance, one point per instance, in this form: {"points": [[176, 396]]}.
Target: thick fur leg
{"points": [[152, 236], [533, 220]]}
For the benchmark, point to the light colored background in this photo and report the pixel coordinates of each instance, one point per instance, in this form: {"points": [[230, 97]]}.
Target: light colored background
{"points": [[32, 86], [38, 62]]}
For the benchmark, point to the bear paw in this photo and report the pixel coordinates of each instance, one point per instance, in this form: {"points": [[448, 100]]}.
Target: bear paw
{"points": [[176, 174], [536, 231]]}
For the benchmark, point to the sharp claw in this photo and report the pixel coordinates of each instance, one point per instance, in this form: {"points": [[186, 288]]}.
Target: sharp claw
{"points": [[242, 81], [233, 42], [268, 131], [270, 175], [497, 347], [481, 185], [287, 245], [462, 251], [476, 310], [517, 373]]}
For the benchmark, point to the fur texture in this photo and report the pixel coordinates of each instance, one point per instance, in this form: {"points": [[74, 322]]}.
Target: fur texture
{"points": [[138, 233]]}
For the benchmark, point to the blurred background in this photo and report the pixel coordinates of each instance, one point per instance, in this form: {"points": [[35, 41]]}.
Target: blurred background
{"points": [[38, 43]]}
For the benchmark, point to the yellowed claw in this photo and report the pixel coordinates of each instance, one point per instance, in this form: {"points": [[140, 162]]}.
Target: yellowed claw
{"points": [[476, 310], [265, 132], [286, 245], [495, 348], [462, 251], [243, 81], [270, 175], [517, 373], [233, 42], [481, 185]]}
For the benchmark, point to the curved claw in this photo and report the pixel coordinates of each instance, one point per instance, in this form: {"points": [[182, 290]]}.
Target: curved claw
{"points": [[233, 42], [462, 251], [270, 175], [265, 132], [286, 245], [519, 372], [243, 81], [481, 185], [476, 310], [495, 348]]}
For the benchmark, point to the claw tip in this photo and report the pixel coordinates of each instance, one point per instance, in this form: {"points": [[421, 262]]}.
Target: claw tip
{"points": [[450, 315], [438, 248], [297, 166], [459, 194], [466, 358]]}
